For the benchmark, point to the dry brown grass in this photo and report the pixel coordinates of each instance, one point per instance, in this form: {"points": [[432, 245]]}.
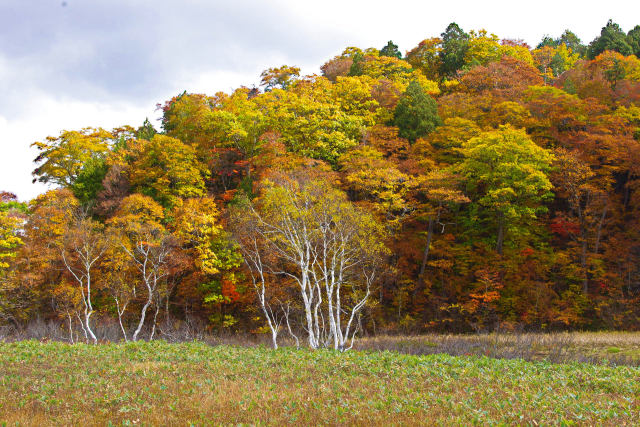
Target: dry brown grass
{"points": [[618, 348]]}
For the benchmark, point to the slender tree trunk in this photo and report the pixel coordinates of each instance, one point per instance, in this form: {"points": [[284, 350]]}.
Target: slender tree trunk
{"points": [[87, 324], [124, 332], [583, 263], [70, 328], [84, 330], [599, 232], [120, 313], [274, 338], [143, 314], [425, 256], [155, 319], [500, 236], [289, 328]]}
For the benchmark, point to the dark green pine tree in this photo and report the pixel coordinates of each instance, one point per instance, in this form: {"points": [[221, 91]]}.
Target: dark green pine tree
{"points": [[391, 50], [633, 38], [455, 44], [547, 41], [416, 114], [611, 38]]}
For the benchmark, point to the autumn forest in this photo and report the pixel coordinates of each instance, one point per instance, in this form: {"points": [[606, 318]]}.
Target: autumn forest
{"points": [[470, 183]]}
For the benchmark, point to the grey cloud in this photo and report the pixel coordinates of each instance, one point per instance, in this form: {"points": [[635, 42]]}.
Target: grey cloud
{"points": [[126, 50]]}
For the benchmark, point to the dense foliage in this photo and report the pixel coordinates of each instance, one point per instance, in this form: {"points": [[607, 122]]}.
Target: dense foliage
{"points": [[501, 182]]}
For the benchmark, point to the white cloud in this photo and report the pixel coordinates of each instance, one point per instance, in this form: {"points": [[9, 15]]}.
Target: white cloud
{"points": [[49, 117]]}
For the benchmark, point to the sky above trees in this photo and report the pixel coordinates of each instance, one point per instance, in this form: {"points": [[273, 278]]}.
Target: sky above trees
{"points": [[70, 64]]}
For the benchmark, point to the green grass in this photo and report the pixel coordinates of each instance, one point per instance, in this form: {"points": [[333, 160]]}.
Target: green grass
{"points": [[159, 383]]}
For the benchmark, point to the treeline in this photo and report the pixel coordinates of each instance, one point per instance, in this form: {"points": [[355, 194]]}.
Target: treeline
{"points": [[471, 183]]}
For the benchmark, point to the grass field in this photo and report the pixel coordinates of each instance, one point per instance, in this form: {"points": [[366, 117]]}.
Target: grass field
{"points": [[160, 384]]}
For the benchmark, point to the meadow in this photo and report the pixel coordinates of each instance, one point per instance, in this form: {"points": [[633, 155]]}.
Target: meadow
{"points": [[160, 383]]}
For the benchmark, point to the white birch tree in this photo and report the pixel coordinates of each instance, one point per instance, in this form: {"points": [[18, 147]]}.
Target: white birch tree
{"points": [[307, 232], [84, 245]]}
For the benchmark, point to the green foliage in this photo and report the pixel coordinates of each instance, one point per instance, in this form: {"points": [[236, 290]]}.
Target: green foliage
{"points": [[568, 38], [416, 114], [572, 41], [280, 78], [146, 131], [391, 49], [455, 43], [611, 38], [506, 178], [317, 120], [356, 65], [166, 170], [89, 180], [63, 158], [633, 39]]}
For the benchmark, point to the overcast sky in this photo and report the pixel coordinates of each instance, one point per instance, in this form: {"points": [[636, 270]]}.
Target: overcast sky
{"points": [[78, 63]]}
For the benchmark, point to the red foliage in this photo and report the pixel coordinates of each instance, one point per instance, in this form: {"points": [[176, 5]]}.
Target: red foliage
{"points": [[229, 291], [526, 252], [564, 227]]}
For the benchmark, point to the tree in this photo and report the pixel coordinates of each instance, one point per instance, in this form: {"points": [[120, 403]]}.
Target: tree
{"points": [[166, 170], [146, 131], [633, 39], [482, 48], [455, 43], [149, 246], [368, 176], [391, 50], [119, 277], [88, 183], [505, 79], [416, 114], [39, 269], [506, 178], [573, 42], [314, 122], [84, 246], [196, 224], [611, 38], [10, 222], [281, 77], [447, 140], [259, 261], [426, 57], [588, 206], [439, 189], [554, 60], [325, 245], [62, 158], [338, 66], [185, 116]]}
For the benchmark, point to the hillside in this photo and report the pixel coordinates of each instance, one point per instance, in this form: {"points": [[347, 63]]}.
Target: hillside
{"points": [[468, 184]]}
